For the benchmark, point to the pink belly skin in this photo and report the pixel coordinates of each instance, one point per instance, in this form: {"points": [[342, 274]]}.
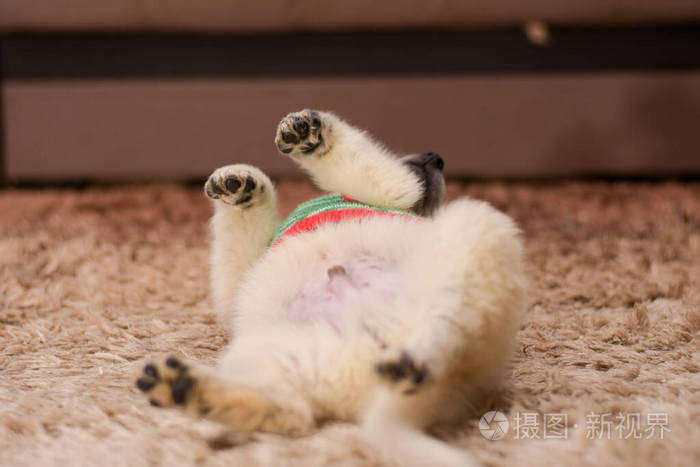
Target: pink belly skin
{"points": [[326, 298]]}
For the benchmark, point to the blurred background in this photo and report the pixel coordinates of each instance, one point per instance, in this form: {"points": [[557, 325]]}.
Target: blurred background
{"points": [[579, 119], [139, 90]]}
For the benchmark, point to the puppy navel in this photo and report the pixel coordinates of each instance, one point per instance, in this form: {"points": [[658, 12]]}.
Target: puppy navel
{"points": [[336, 271]]}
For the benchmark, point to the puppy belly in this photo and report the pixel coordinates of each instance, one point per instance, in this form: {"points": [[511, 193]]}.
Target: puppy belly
{"points": [[339, 293]]}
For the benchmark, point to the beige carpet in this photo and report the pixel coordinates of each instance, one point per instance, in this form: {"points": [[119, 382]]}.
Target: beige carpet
{"points": [[93, 281]]}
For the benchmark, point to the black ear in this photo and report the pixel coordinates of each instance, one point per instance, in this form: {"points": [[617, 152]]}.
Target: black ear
{"points": [[428, 168], [433, 159]]}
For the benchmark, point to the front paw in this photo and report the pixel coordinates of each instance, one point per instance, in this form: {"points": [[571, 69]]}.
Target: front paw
{"points": [[238, 185], [401, 371], [167, 383], [302, 133]]}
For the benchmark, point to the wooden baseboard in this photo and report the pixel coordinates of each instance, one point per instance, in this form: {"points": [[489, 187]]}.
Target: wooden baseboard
{"points": [[617, 100], [505, 126]]}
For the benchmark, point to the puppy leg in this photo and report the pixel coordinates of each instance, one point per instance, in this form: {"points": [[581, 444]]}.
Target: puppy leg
{"points": [[202, 393], [344, 159], [469, 290], [469, 283], [244, 222], [403, 441]]}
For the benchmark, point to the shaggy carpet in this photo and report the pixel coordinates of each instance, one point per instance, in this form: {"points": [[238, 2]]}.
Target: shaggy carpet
{"points": [[606, 371]]}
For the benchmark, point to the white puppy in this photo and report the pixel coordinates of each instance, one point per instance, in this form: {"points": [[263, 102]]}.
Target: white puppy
{"points": [[357, 313]]}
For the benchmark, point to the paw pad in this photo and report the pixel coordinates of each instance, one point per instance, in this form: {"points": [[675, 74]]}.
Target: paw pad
{"points": [[300, 132], [234, 185], [166, 384], [404, 371]]}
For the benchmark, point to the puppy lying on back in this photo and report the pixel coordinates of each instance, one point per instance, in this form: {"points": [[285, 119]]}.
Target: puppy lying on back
{"points": [[373, 305]]}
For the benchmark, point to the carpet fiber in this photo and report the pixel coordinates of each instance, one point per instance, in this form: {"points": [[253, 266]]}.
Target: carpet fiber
{"points": [[93, 281]]}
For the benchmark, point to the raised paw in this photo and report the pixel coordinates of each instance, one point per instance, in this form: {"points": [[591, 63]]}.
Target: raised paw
{"points": [[402, 371], [167, 383], [302, 133], [238, 185]]}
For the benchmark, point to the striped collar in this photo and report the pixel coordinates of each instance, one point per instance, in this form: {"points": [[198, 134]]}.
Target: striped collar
{"points": [[333, 208]]}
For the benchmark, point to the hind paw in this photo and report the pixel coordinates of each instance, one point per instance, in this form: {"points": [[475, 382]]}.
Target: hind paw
{"points": [[167, 383], [400, 370]]}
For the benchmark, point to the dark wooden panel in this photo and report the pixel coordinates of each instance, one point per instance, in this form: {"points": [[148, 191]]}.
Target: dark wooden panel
{"points": [[512, 126], [2, 118], [59, 56]]}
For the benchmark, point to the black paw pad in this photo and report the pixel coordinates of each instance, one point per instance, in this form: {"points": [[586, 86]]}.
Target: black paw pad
{"points": [[315, 120], [289, 137], [404, 367], [174, 363], [151, 370], [182, 389], [244, 199], [310, 147], [232, 184], [145, 383], [213, 188], [301, 126], [149, 379], [249, 184]]}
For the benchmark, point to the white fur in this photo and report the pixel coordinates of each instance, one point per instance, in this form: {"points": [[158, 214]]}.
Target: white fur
{"points": [[448, 291]]}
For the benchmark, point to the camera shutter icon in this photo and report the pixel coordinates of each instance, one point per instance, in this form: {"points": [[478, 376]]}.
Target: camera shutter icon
{"points": [[493, 425]]}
